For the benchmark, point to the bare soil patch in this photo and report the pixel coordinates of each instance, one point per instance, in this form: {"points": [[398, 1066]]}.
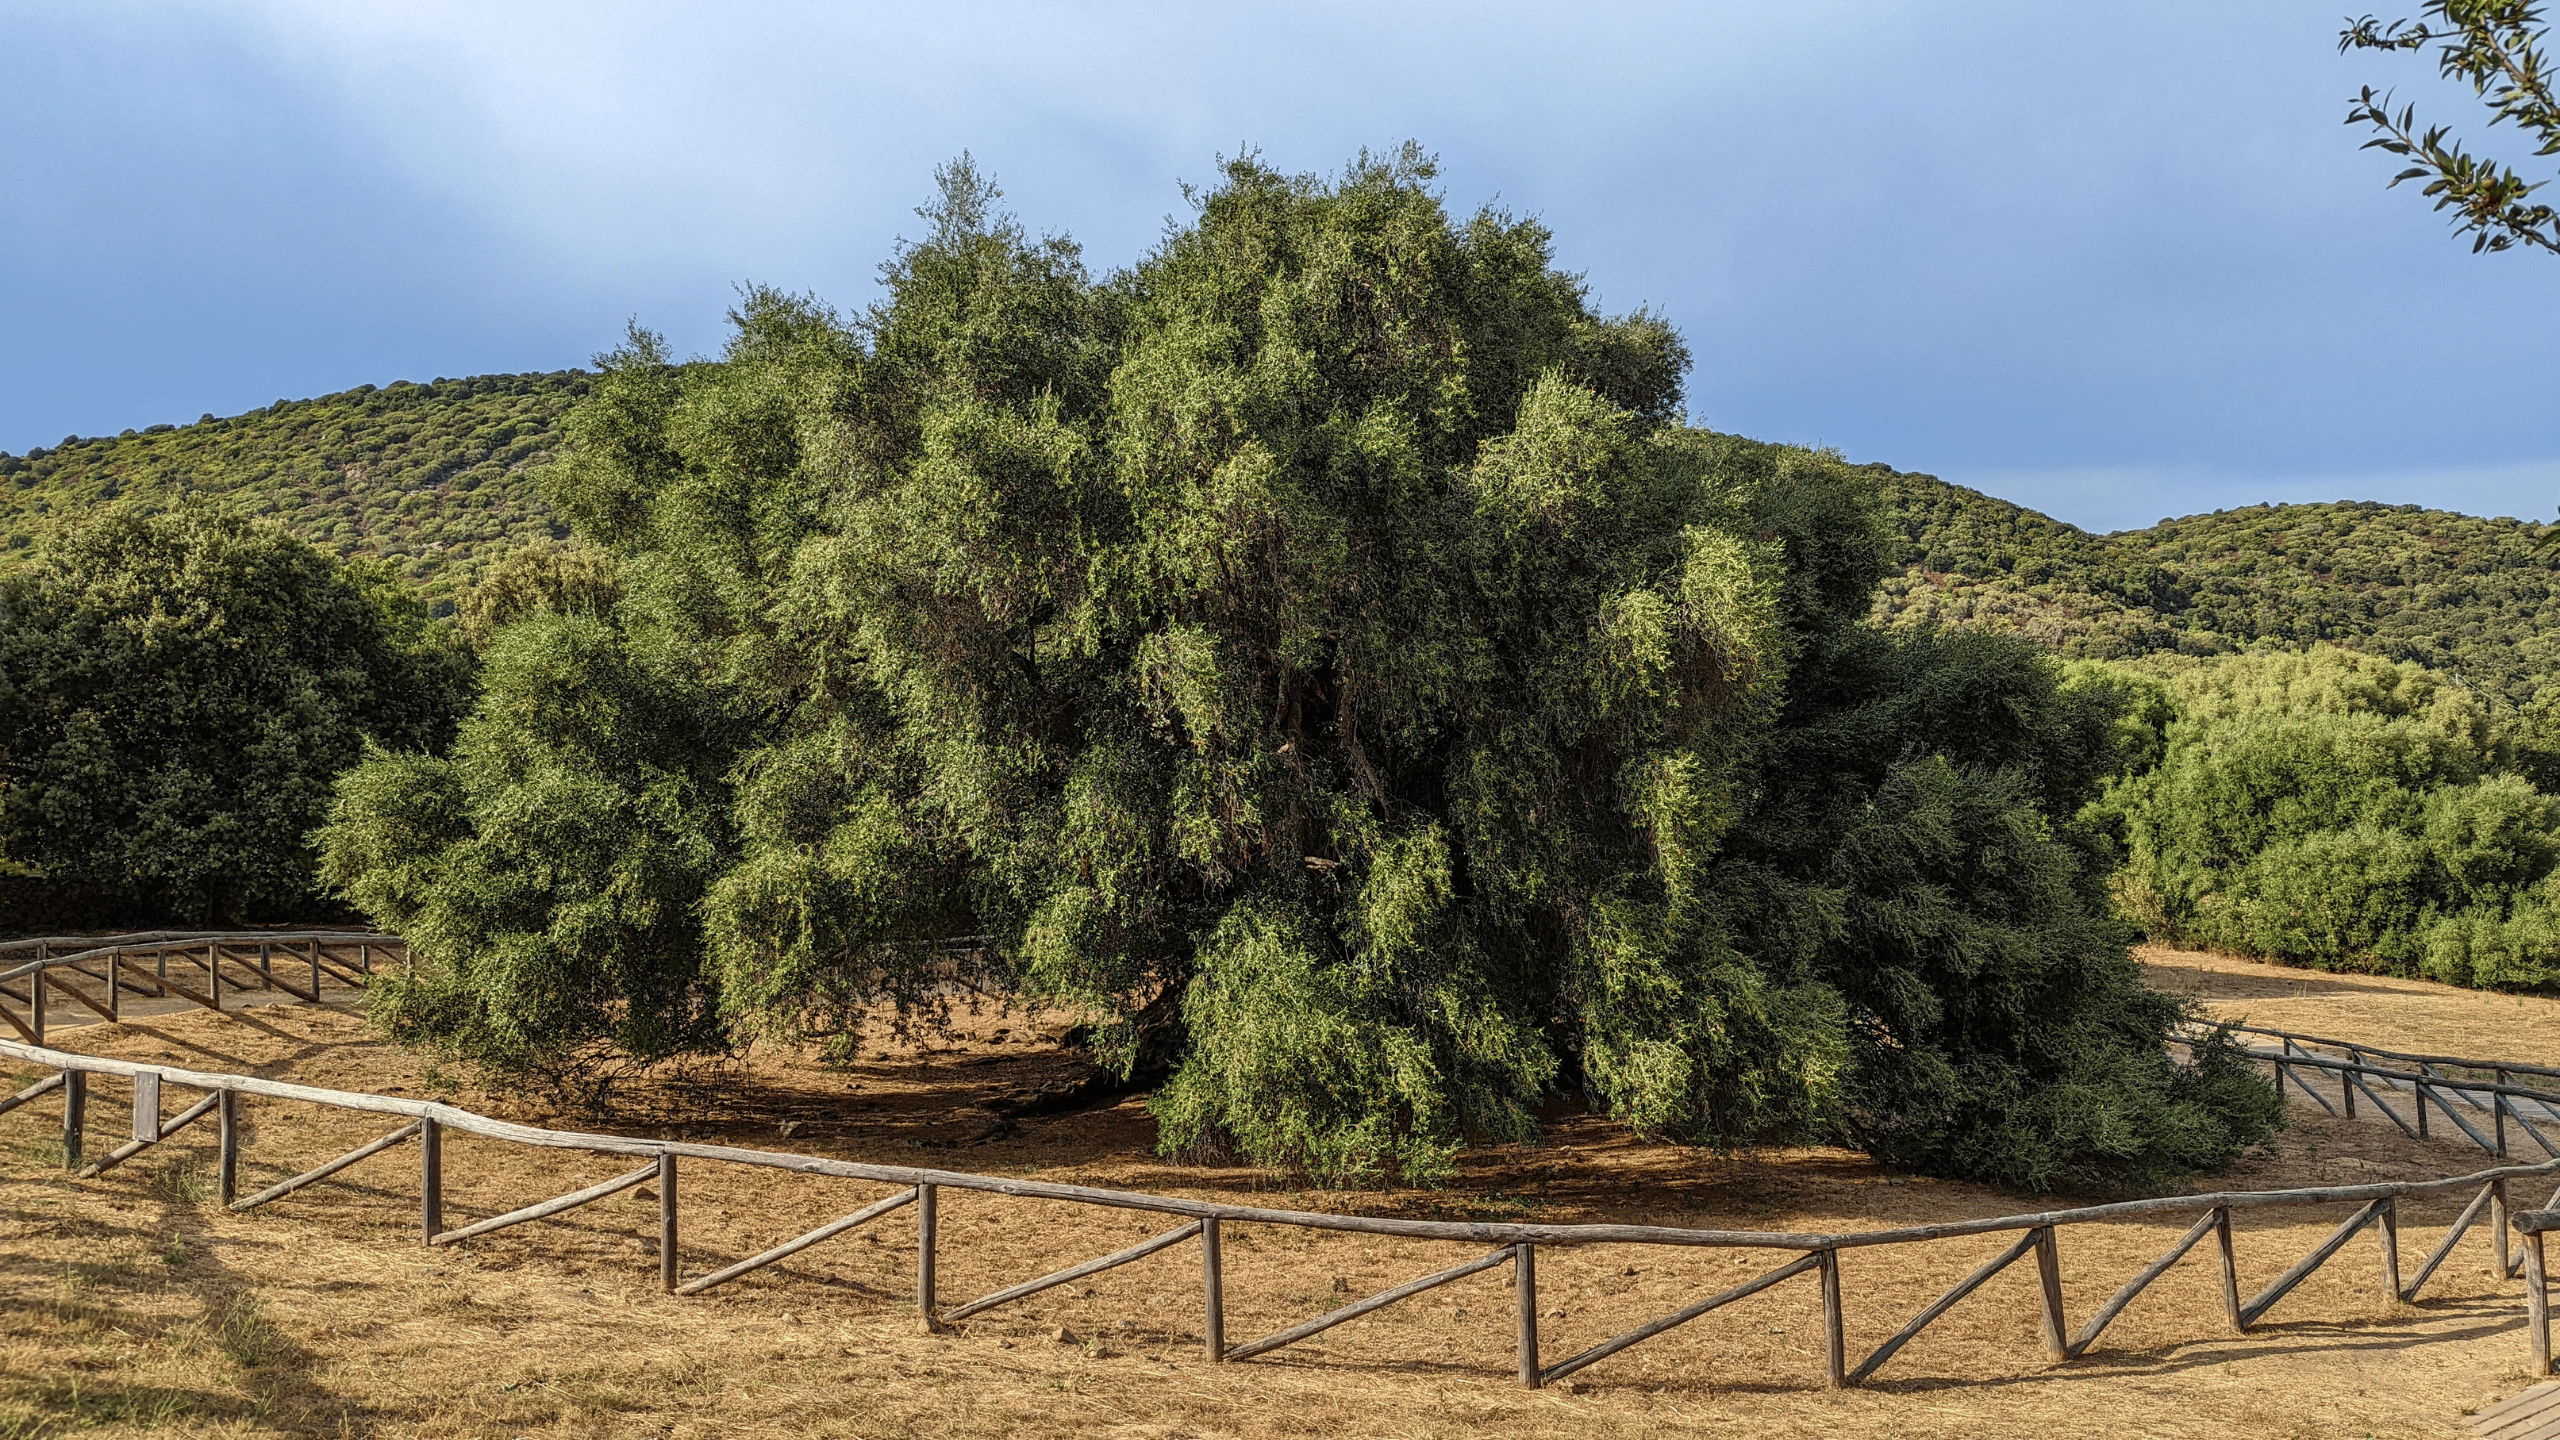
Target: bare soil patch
{"points": [[131, 1304]]}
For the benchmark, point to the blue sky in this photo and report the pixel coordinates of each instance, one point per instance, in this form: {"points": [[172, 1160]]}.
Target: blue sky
{"points": [[2116, 263]]}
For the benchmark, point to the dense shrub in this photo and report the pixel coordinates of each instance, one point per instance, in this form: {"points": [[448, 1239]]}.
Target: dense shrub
{"points": [[2332, 809], [178, 692]]}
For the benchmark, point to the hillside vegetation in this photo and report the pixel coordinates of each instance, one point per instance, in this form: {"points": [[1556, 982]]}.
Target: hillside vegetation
{"points": [[436, 479], [2476, 599]]}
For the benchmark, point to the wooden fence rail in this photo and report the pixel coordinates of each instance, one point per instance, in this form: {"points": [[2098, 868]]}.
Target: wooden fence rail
{"points": [[2376, 1206], [2428, 1082], [113, 965]]}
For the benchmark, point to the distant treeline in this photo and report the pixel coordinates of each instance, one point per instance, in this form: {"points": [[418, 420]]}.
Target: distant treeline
{"points": [[2476, 599]]}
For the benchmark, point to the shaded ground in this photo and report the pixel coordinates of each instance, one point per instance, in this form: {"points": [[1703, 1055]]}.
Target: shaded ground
{"points": [[131, 1303]]}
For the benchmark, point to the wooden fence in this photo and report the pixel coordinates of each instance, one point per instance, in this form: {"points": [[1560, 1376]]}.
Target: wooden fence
{"points": [[69, 967], [2422, 1082], [2375, 1207]]}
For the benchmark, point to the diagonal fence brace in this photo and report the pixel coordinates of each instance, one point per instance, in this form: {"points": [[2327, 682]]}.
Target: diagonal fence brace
{"points": [[2107, 1313], [1379, 1301], [1648, 1330], [38, 1090], [570, 1201], [2265, 1299], [365, 1151], [789, 1248], [131, 1148], [1139, 1251], [1943, 1303], [2444, 1247]]}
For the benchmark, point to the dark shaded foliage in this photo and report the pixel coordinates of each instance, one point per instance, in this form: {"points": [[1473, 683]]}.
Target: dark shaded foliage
{"points": [[177, 694]]}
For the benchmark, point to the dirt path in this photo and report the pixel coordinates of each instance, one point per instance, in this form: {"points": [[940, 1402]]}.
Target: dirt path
{"points": [[130, 1304]]}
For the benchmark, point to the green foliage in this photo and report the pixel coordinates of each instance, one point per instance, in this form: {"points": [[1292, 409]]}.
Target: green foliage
{"points": [[177, 693], [2495, 47], [2472, 597], [433, 480], [541, 576], [544, 875], [1321, 639], [2337, 810]]}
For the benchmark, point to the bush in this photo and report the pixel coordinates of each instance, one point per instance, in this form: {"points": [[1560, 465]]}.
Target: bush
{"points": [[2330, 809], [178, 692]]}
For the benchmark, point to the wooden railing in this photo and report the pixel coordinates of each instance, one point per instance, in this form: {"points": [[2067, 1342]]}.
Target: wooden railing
{"points": [[2375, 1207], [2421, 1082], [139, 963]]}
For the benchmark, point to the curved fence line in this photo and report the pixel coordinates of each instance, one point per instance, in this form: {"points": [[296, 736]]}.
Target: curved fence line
{"points": [[425, 1122], [2423, 1080], [115, 962]]}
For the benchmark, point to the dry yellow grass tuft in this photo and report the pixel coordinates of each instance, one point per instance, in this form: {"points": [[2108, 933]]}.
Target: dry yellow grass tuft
{"points": [[132, 1304]]}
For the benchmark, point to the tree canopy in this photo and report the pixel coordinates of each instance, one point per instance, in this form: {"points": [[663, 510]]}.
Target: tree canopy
{"points": [[179, 691], [1318, 652]]}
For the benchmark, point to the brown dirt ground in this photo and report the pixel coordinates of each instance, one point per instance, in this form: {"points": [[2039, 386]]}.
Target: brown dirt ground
{"points": [[131, 1304]]}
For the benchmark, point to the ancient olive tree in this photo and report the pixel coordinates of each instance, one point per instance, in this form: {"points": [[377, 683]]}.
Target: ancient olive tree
{"points": [[1321, 654]]}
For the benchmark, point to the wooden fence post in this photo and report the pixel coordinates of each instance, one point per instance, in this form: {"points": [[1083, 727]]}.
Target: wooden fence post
{"points": [[2230, 1270], [2498, 1113], [213, 971], [2387, 1229], [430, 1180], [1524, 1278], [1835, 1350], [2057, 1339], [227, 1168], [924, 1256], [2498, 1228], [35, 1004], [146, 1106], [115, 987], [315, 968], [2537, 1305], [1213, 1291], [667, 1221], [266, 966], [160, 964], [75, 1112]]}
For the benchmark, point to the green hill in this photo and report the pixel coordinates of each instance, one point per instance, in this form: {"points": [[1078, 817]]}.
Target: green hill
{"points": [[438, 478], [435, 478], [2479, 599]]}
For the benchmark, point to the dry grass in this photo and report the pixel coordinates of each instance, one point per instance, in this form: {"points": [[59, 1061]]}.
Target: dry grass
{"points": [[2416, 1016], [131, 1304]]}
